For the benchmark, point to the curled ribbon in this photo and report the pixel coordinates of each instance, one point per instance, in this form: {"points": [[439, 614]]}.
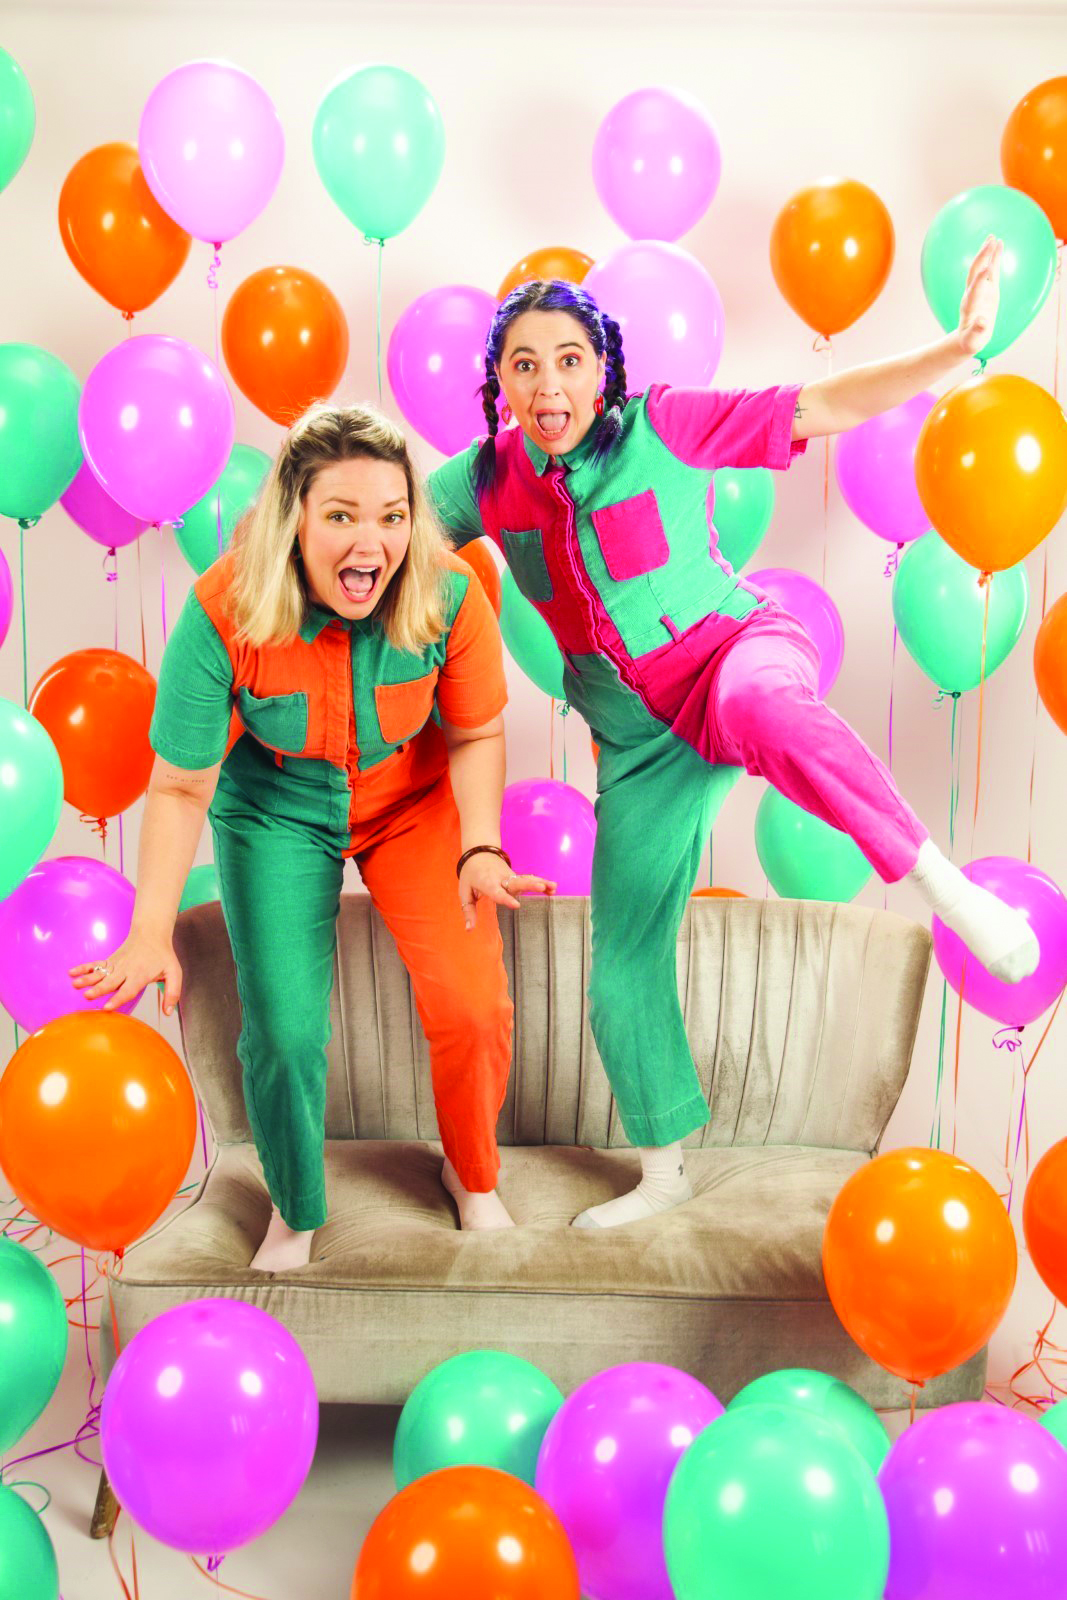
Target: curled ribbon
{"points": [[213, 270]]}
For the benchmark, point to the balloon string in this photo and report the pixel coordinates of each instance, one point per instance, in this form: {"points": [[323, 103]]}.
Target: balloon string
{"points": [[140, 604], [368, 239], [986, 582], [163, 580], [24, 523], [552, 740], [1037, 713], [564, 711], [1038, 1362], [826, 345], [956, 1071], [128, 1593], [211, 1572]]}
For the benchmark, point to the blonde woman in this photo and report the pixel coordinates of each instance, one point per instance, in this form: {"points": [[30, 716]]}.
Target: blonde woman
{"points": [[363, 666]]}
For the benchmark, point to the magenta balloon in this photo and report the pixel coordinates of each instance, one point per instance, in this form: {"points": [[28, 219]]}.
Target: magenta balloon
{"points": [[1032, 892], [211, 146], [68, 910], [209, 1425], [605, 1465], [157, 425], [7, 597], [976, 1496], [549, 829], [88, 504], [669, 311], [875, 467], [809, 602], [656, 163], [436, 364]]}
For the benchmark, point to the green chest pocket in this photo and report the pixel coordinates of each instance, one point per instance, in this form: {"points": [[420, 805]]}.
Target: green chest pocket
{"points": [[280, 721], [525, 555]]}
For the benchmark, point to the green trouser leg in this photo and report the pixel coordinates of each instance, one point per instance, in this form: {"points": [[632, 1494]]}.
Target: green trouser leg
{"points": [[655, 806], [280, 888]]}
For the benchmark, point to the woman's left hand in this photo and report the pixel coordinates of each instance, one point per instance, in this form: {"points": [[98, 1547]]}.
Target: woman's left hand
{"points": [[487, 877], [981, 297]]}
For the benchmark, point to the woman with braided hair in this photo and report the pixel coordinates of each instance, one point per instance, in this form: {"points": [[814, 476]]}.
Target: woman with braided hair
{"points": [[602, 505]]}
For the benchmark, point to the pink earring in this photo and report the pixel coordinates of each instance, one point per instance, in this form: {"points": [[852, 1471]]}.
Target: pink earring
{"points": [[505, 412]]}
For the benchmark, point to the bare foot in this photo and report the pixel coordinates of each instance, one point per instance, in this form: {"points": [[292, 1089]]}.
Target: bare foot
{"points": [[283, 1249], [477, 1212]]}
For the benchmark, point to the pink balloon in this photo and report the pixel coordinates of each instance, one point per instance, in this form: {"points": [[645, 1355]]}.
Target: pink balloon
{"points": [[669, 310], [209, 1424], [1032, 892], [437, 364], [7, 597], [156, 423], [875, 467], [211, 145], [656, 163], [549, 829], [88, 504], [68, 910], [809, 602]]}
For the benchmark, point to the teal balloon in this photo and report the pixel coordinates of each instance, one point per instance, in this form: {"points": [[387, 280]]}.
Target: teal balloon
{"points": [[1055, 1420], [31, 794], [229, 497], [28, 1569], [1027, 268], [819, 1395], [33, 1340], [743, 507], [17, 118], [39, 448], [379, 146], [529, 639], [770, 1502], [201, 886], [939, 609], [805, 858], [481, 1409]]}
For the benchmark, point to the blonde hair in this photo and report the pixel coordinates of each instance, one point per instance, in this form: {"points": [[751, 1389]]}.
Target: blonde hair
{"points": [[268, 599]]}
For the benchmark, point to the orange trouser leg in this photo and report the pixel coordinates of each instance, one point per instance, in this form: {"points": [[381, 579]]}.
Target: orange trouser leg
{"points": [[460, 985]]}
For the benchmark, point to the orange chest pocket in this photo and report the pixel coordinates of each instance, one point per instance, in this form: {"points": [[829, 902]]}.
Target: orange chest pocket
{"points": [[403, 708]]}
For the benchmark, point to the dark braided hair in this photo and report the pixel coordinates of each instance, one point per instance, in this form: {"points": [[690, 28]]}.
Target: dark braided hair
{"points": [[604, 335]]}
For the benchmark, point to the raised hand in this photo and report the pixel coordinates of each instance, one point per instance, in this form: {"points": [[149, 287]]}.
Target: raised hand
{"points": [[981, 297]]}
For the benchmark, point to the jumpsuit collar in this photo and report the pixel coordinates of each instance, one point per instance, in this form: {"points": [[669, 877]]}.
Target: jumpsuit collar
{"points": [[577, 457], [316, 618]]}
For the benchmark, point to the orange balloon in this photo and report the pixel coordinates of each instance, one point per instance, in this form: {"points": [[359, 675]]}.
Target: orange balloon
{"points": [[919, 1258], [478, 558], [831, 251], [97, 706], [1033, 150], [554, 261], [466, 1533], [991, 468], [115, 230], [97, 1127], [285, 340], [1050, 662], [718, 894], [1045, 1218]]}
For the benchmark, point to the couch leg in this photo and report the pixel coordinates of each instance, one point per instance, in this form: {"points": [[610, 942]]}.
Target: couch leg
{"points": [[105, 1511]]}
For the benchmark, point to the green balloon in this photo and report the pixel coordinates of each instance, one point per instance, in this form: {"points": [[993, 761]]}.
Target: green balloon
{"points": [[201, 886], [1027, 268], [28, 1569], [819, 1395], [33, 1340], [769, 1502], [529, 639], [379, 146], [1055, 1420], [744, 505], [482, 1409], [233, 492], [31, 794], [39, 448], [17, 118], [939, 608], [805, 858]]}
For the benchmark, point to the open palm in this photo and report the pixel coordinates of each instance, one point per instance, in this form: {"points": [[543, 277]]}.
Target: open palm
{"points": [[981, 297]]}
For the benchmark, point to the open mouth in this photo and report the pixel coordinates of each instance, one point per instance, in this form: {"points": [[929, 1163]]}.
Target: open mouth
{"points": [[553, 424], [359, 583]]}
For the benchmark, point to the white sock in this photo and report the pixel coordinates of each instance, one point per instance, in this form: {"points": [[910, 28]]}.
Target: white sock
{"points": [[1000, 937], [284, 1249], [663, 1185], [477, 1212]]}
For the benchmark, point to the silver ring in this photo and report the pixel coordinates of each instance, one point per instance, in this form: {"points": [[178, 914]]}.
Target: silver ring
{"points": [[100, 967], [507, 884]]}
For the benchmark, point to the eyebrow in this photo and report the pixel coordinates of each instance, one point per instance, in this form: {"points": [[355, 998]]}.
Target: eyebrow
{"points": [[339, 500], [524, 349]]}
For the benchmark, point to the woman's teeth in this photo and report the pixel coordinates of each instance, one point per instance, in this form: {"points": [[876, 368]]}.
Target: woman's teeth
{"points": [[553, 423], [358, 582]]}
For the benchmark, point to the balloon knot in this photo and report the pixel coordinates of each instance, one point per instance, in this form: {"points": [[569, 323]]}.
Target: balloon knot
{"points": [[111, 572], [213, 270], [26, 523], [565, 709], [979, 370], [892, 561], [984, 579], [822, 343], [127, 316], [97, 825], [946, 694], [1012, 1043], [368, 238], [214, 1563]]}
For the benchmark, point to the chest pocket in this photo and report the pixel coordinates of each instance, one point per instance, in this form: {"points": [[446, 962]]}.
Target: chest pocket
{"points": [[631, 536], [403, 708], [525, 555], [279, 721]]}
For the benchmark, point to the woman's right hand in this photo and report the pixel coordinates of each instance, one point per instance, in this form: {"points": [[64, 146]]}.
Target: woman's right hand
{"points": [[142, 959]]}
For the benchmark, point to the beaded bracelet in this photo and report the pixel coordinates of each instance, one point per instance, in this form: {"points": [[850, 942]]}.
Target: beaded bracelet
{"points": [[481, 849]]}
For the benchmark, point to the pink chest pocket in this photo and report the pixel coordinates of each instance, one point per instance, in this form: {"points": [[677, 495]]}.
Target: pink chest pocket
{"points": [[631, 536]]}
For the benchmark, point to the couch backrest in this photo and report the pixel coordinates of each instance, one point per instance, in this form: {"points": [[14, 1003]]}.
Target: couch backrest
{"points": [[801, 1016]]}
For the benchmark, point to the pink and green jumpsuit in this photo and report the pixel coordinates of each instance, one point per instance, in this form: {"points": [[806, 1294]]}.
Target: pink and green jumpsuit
{"points": [[685, 673]]}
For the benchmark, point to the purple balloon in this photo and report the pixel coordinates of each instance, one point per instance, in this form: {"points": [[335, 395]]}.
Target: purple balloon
{"points": [[548, 829], [976, 1496], [88, 504], [211, 146], [669, 311], [875, 467], [7, 597], [809, 602], [604, 1468], [68, 910], [157, 425], [1032, 892], [657, 163], [436, 364], [209, 1425]]}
